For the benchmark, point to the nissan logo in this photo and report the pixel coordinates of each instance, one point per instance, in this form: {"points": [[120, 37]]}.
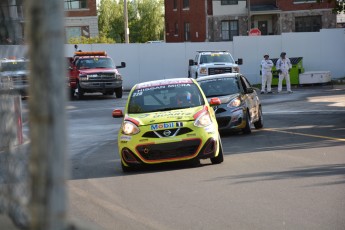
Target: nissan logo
{"points": [[167, 133]]}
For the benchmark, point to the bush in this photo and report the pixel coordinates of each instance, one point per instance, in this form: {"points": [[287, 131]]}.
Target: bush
{"points": [[92, 40]]}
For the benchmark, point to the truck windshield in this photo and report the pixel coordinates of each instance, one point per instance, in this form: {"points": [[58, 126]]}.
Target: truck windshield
{"points": [[13, 66], [211, 58], [91, 63]]}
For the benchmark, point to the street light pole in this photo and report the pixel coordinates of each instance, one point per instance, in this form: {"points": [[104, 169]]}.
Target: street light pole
{"points": [[249, 16], [125, 13]]}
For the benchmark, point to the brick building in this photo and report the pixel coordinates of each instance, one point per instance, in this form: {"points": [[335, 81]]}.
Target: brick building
{"points": [[185, 20], [224, 19], [81, 18]]}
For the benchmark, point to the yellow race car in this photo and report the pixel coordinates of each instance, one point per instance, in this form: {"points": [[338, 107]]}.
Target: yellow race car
{"points": [[168, 121]]}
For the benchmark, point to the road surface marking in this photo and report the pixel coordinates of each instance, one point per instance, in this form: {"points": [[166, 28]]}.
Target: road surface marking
{"points": [[304, 134]]}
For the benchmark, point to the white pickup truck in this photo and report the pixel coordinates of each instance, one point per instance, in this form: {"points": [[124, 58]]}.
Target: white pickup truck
{"points": [[213, 62]]}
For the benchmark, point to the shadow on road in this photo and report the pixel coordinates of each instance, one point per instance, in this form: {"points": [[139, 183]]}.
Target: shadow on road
{"points": [[295, 173]]}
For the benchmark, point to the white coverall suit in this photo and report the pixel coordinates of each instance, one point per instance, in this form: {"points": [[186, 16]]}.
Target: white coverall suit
{"points": [[266, 71], [284, 65]]}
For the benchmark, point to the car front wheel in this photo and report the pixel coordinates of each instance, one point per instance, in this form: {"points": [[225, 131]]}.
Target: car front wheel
{"points": [[247, 129], [260, 123], [220, 158]]}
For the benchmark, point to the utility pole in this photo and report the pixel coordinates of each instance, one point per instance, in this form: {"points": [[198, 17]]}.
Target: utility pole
{"points": [[249, 17], [125, 13], [47, 119]]}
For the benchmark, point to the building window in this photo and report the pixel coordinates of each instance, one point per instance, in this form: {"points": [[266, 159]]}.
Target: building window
{"points": [[176, 28], [308, 24], [229, 2], [77, 32], [185, 4], [229, 30], [75, 4], [186, 31], [175, 4]]}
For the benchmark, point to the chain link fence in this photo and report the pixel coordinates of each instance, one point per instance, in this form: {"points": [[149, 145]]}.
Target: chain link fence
{"points": [[14, 160]]}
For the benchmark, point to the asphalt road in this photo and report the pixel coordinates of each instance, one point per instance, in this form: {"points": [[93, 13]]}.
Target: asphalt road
{"points": [[289, 175]]}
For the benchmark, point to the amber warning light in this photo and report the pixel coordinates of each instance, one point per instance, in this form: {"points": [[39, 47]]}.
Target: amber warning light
{"points": [[93, 53]]}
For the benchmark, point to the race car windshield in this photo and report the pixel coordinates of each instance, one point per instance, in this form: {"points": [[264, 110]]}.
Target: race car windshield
{"points": [[220, 86], [92, 63], [211, 58], [165, 97], [13, 66]]}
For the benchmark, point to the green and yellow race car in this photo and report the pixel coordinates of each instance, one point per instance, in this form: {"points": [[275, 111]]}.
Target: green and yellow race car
{"points": [[168, 121]]}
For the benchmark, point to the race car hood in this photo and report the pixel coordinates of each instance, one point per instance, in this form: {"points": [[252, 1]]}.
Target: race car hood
{"points": [[165, 116], [98, 70], [225, 99]]}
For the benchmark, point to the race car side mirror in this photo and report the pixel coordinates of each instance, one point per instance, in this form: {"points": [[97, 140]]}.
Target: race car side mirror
{"points": [[117, 113], [249, 90], [215, 101]]}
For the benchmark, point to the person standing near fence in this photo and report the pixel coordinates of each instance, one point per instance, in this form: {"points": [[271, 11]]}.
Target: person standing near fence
{"points": [[266, 71], [283, 67]]}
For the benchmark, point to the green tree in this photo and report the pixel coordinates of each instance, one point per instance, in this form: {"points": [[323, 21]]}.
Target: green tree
{"points": [[110, 20], [92, 40], [339, 5], [145, 20]]}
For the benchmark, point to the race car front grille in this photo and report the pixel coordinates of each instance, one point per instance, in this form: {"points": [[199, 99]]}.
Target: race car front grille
{"points": [[166, 151], [167, 133], [223, 121], [212, 71]]}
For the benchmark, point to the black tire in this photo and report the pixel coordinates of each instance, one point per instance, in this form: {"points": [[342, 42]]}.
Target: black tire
{"points": [[259, 123], [247, 129], [80, 94], [118, 92], [220, 158], [126, 169], [71, 93]]}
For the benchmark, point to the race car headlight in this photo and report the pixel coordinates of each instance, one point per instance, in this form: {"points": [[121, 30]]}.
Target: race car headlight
{"points": [[129, 128], [203, 70], [236, 102], [203, 120]]}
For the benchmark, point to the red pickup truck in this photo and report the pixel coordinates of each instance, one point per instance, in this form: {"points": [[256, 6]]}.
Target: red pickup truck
{"points": [[91, 72]]}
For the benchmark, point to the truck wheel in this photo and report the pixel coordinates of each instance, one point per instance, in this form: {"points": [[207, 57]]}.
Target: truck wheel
{"points": [[71, 93], [118, 92], [80, 93]]}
